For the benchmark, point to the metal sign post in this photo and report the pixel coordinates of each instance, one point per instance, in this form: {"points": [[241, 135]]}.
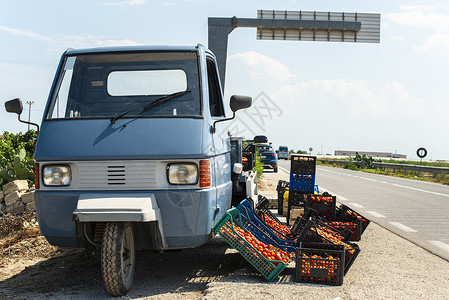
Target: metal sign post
{"points": [[294, 25]]}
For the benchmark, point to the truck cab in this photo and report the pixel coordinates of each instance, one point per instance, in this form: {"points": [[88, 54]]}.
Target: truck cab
{"points": [[133, 153]]}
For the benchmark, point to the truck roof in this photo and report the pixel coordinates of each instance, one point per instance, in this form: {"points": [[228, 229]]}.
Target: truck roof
{"points": [[138, 48]]}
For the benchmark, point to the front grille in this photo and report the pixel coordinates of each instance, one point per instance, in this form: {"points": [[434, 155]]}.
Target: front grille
{"points": [[119, 175], [116, 175]]}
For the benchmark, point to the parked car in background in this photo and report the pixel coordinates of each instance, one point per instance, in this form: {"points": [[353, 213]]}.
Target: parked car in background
{"points": [[283, 152], [267, 156]]}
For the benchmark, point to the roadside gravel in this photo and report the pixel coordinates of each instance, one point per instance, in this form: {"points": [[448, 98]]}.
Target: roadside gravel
{"points": [[388, 267]]}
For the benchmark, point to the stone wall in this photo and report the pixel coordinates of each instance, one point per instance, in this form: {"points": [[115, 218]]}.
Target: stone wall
{"points": [[16, 197]]}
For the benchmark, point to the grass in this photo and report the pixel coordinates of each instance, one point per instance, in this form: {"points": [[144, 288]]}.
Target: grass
{"points": [[415, 175]]}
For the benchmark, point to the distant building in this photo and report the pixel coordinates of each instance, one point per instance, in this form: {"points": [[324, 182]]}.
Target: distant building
{"points": [[373, 154]]}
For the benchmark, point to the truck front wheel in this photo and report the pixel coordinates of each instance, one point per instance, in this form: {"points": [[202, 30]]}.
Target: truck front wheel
{"points": [[118, 258]]}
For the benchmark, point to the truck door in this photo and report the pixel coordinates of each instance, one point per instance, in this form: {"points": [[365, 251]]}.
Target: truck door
{"points": [[220, 139]]}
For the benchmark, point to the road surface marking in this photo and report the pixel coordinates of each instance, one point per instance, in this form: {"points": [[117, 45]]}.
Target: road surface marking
{"points": [[366, 178], [357, 205], [384, 182], [375, 214], [402, 227], [419, 190], [441, 245], [285, 170]]}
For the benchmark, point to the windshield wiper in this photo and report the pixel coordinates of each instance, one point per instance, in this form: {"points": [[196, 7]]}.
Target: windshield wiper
{"points": [[165, 99], [152, 104]]}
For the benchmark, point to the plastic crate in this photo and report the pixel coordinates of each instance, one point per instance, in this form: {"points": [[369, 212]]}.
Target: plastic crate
{"points": [[354, 227], [262, 207], [300, 223], [320, 263], [303, 164], [260, 230], [263, 213], [346, 214], [225, 228], [302, 182], [324, 205], [280, 189], [294, 199], [314, 234]]}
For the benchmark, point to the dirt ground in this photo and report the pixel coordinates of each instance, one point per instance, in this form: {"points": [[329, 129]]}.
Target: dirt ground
{"points": [[388, 267]]}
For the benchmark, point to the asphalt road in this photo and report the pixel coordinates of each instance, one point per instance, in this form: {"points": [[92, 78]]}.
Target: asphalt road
{"points": [[417, 211]]}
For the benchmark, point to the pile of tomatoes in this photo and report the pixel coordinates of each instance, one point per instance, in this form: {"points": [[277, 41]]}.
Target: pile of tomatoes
{"points": [[275, 225], [333, 238], [268, 251], [317, 262], [355, 215], [325, 200]]}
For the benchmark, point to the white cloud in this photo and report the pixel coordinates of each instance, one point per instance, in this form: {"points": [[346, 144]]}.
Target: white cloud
{"points": [[88, 41], [122, 3], [438, 42], [419, 18], [25, 33], [398, 38], [256, 68], [59, 43]]}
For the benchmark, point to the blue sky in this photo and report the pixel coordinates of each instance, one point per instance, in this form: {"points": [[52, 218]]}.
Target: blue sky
{"points": [[390, 97]]}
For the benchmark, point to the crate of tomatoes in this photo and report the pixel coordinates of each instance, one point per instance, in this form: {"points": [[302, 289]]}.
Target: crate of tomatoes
{"points": [[320, 233], [320, 263], [354, 227], [268, 259], [325, 205], [259, 229], [346, 214]]}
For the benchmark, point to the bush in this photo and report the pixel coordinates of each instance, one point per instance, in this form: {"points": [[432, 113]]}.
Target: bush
{"points": [[16, 156], [259, 168]]}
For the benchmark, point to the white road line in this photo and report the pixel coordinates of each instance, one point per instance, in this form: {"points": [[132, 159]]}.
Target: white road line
{"points": [[384, 182], [440, 244], [285, 170], [402, 227], [366, 178], [419, 190], [375, 214], [357, 205]]}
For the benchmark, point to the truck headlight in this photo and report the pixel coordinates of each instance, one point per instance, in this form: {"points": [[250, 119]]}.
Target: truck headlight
{"points": [[182, 173], [57, 175]]}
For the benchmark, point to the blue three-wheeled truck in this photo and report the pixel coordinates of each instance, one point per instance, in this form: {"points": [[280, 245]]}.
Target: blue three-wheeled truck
{"points": [[133, 154]]}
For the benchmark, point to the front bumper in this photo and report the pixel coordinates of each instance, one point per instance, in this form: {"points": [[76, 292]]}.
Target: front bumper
{"points": [[187, 215]]}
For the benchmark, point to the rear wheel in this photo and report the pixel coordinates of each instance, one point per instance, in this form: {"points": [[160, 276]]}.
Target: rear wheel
{"points": [[275, 168], [118, 258]]}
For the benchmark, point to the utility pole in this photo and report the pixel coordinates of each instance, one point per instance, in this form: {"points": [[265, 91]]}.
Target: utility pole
{"points": [[29, 112]]}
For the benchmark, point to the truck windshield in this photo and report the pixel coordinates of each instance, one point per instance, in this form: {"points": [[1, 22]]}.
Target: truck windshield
{"points": [[105, 85]]}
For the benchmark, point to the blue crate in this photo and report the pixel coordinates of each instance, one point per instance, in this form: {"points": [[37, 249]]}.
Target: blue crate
{"points": [[300, 182], [260, 230]]}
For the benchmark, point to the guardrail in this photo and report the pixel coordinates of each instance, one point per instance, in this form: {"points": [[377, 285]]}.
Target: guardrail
{"points": [[425, 169]]}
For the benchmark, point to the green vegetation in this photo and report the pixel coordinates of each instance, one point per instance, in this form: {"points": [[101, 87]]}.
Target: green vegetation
{"points": [[259, 168], [365, 164], [16, 156]]}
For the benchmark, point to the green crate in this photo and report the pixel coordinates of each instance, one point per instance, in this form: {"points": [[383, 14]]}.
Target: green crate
{"points": [[266, 267]]}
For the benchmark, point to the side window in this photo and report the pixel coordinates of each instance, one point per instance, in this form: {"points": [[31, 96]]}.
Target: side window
{"points": [[215, 99]]}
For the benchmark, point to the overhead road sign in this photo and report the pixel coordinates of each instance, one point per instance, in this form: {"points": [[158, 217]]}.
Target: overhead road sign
{"points": [[320, 26], [294, 25]]}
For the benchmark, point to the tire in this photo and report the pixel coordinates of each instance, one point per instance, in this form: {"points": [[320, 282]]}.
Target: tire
{"points": [[118, 258], [275, 169]]}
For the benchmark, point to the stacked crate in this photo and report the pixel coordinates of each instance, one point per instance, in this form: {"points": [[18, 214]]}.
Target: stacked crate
{"points": [[302, 181]]}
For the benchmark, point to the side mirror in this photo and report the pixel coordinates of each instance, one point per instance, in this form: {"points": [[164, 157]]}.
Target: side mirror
{"points": [[237, 102], [240, 102], [14, 106]]}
